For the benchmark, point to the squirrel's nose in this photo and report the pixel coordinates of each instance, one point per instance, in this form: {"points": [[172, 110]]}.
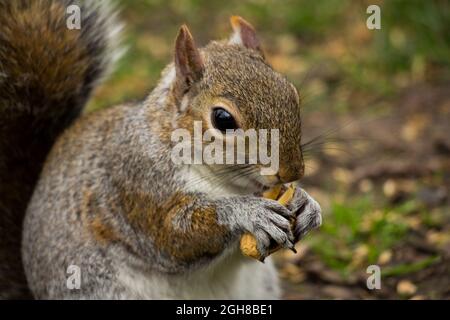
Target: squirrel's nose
{"points": [[291, 173]]}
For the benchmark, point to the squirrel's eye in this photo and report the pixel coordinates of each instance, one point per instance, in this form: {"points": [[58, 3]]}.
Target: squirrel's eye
{"points": [[223, 120]]}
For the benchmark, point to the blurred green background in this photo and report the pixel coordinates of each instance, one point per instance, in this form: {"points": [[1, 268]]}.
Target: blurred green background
{"points": [[377, 103]]}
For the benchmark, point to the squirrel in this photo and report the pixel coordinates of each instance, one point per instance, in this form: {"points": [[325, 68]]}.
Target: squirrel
{"points": [[100, 191]]}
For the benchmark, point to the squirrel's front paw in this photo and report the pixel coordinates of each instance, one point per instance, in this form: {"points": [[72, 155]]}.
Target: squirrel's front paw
{"points": [[307, 212], [269, 222]]}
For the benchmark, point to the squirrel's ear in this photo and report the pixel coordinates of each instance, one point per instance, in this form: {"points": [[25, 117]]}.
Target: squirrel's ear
{"points": [[244, 34], [188, 61]]}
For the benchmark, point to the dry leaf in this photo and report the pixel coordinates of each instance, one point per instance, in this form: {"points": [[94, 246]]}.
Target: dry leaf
{"points": [[406, 288], [418, 297], [385, 257]]}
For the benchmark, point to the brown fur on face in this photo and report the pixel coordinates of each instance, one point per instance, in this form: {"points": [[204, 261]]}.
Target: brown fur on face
{"points": [[264, 99]]}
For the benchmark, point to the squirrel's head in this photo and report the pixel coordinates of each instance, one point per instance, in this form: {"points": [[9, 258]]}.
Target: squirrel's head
{"points": [[230, 85]]}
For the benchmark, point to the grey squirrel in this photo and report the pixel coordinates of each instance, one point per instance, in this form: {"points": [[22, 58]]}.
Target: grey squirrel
{"points": [[101, 192]]}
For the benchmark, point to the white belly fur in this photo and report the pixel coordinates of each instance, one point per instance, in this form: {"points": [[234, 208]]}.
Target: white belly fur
{"points": [[234, 277]]}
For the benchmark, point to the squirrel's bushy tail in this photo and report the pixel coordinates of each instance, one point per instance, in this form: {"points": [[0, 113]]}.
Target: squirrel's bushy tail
{"points": [[47, 73]]}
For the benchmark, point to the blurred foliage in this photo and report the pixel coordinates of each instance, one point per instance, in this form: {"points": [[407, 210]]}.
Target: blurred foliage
{"points": [[356, 233], [418, 34], [413, 42]]}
